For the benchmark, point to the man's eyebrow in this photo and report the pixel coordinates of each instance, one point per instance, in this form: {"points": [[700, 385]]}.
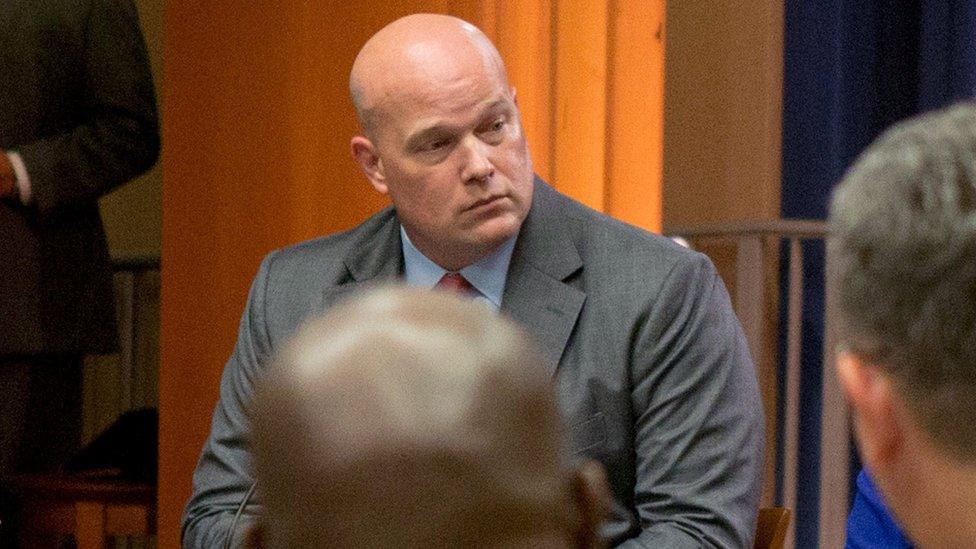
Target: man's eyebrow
{"points": [[495, 107], [496, 104], [441, 130]]}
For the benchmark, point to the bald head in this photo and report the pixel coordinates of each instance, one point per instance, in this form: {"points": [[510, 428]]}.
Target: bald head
{"points": [[418, 51], [410, 418]]}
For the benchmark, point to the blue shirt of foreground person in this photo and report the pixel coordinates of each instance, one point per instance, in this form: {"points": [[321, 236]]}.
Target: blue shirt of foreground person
{"points": [[870, 524]]}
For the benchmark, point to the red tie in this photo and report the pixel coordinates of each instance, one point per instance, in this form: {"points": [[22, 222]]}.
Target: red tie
{"points": [[454, 282]]}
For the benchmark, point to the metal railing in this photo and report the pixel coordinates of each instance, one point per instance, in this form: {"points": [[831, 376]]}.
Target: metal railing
{"points": [[757, 246], [129, 378]]}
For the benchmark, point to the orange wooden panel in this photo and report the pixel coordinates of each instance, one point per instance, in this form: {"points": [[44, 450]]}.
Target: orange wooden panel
{"points": [[129, 520], [257, 123], [525, 39], [323, 186], [581, 100], [89, 525], [45, 517], [636, 112], [480, 13], [225, 133]]}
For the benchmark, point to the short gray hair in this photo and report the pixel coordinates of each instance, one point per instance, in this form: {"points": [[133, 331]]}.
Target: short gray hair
{"points": [[364, 113], [902, 262], [410, 415]]}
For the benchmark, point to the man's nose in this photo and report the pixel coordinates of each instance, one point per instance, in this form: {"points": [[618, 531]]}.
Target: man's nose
{"points": [[477, 166]]}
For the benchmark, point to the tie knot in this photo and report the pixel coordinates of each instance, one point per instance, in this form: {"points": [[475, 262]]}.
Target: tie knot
{"points": [[454, 282]]}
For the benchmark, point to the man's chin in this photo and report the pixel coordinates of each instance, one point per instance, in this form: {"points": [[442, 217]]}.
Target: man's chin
{"points": [[494, 233], [499, 228]]}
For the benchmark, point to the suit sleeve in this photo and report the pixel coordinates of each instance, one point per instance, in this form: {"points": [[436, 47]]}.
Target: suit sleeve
{"points": [[698, 417], [224, 474], [117, 136]]}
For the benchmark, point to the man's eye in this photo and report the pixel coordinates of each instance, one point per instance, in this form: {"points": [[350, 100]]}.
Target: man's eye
{"points": [[493, 131], [437, 145]]}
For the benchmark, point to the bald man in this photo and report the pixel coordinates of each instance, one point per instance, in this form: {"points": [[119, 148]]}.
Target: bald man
{"points": [[452, 399], [651, 368]]}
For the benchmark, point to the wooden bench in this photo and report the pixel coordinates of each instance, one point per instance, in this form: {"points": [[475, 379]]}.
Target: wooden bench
{"points": [[91, 509]]}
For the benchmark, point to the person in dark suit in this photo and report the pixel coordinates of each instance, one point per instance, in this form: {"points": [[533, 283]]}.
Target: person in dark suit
{"points": [[465, 414], [77, 118], [651, 368]]}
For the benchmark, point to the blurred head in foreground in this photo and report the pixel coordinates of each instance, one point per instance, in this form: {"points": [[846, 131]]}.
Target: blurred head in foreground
{"points": [[902, 256], [410, 418]]}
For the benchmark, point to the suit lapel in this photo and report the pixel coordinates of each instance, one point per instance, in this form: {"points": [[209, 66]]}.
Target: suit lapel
{"points": [[376, 258], [536, 294]]}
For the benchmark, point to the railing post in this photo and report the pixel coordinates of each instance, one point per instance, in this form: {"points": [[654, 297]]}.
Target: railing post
{"points": [[835, 445], [125, 380], [127, 320], [749, 295], [791, 408]]}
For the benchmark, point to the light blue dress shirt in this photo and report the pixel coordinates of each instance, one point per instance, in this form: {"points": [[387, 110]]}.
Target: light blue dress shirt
{"points": [[487, 276]]}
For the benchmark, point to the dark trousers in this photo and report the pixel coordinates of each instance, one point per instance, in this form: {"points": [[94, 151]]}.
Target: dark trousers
{"points": [[40, 422], [40, 412]]}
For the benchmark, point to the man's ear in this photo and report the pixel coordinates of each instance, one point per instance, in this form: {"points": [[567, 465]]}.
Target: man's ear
{"points": [[870, 393], [591, 496], [364, 152]]}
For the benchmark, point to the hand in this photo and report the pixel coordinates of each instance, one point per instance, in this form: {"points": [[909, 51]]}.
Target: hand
{"points": [[8, 178]]}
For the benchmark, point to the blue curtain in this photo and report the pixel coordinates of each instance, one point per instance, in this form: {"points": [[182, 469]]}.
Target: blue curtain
{"points": [[852, 68]]}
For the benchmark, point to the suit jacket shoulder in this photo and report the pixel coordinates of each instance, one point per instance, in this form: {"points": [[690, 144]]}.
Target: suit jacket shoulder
{"points": [[652, 372], [593, 232], [309, 277]]}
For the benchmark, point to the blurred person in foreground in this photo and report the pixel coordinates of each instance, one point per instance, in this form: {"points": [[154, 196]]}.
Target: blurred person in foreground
{"points": [[436, 427], [651, 368], [902, 257]]}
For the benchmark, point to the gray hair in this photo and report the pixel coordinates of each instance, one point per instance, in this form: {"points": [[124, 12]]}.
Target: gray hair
{"points": [[413, 416], [902, 263]]}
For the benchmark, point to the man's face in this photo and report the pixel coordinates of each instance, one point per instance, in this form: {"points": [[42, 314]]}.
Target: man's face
{"points": [[454, 161]]}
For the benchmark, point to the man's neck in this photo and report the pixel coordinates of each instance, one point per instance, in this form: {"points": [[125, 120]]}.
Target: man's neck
{"points": [[452, 259], [940, 496]]}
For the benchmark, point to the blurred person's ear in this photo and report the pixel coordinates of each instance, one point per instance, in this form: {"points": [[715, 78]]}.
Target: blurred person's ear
{"points": [[591, 496], [871, 395]]}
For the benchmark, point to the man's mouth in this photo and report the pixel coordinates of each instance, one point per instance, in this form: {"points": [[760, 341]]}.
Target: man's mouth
{"points": [[485, 202]]}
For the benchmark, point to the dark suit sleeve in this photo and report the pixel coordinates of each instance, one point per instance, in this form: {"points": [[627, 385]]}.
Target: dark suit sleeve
{"points": [[117, 136], [223, 474], [698, 417]]}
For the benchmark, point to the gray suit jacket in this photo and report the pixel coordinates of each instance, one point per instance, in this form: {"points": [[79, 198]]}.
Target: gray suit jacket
{"points": [[651, 367], [77, 103]]}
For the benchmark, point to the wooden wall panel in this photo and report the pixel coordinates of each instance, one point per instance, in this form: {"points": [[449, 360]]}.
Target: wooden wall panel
{"points": [[524, 37], [635, 107], [256, 156], [580, 129]]}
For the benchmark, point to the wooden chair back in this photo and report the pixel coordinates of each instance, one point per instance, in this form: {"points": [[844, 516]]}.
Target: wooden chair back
{"points": [[771, 527]]}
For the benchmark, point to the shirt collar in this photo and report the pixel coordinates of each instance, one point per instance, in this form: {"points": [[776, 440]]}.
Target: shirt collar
{"points": [[487, 275]]}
